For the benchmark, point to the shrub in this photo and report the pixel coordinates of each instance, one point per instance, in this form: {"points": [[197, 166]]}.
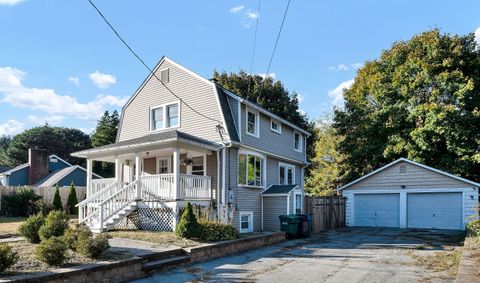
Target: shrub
{"points": [[57, 200], [29, 229], [215, 231], [72, 235], [188, 226], [72, 200], [7, 257], [42, 207], [55, 225], [20, 203], [474, 228], [92, 247], [52, 251]]}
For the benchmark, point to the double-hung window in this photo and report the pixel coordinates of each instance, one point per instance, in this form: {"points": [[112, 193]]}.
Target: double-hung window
{"points": [[297, 141], [197, 166], [286, 174], [250, 170], [275, 126], [252, 123], [246, 222], [165, 116]]}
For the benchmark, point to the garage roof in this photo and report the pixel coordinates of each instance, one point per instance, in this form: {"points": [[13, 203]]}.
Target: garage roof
{"points": [[414, 163]]}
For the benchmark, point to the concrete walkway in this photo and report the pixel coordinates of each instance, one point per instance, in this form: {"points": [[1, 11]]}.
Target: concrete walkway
{"points": [[349, 255]]}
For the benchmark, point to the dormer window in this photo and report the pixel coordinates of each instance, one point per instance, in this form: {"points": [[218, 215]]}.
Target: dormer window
{"points": [[252, 123], [276, 126], [297, 141], [165, 116]]}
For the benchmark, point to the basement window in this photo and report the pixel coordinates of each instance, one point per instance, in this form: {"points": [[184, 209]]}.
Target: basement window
{"points": [[246, 222]]}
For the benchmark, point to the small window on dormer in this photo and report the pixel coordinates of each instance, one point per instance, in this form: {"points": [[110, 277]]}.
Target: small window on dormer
{"points": [[165, 75]]}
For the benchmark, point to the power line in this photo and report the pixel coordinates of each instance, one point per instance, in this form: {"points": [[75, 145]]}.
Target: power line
{"points": [[253, 49], [148, 68], [276, 41]]}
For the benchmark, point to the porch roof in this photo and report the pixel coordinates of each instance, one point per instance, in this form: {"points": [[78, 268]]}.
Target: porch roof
{"points": [[279, 189], [149, 140]]}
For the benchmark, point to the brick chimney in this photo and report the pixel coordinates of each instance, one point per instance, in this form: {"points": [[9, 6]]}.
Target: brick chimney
{"points": [[38, 162]]}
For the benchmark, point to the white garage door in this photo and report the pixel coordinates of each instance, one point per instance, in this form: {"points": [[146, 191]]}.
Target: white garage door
{"points": [[377, 210], [434, 210]]}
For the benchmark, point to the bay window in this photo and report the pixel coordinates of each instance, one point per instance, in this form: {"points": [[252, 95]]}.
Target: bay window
{"points": [[250, 170]]}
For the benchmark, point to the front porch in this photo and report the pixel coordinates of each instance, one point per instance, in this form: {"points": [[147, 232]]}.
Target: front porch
{"points": [[149, 179]]}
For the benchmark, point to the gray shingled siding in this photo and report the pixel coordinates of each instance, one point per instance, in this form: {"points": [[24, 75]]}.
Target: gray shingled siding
{"points": [[280, 144], [194, 91], [248, 199], [273, 207]]}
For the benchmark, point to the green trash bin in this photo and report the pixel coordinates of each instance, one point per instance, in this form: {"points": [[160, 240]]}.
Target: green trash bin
{"points": [[289, 224]]}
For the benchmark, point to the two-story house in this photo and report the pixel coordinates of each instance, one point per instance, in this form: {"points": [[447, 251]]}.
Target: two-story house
{"points": [[183, 138]]}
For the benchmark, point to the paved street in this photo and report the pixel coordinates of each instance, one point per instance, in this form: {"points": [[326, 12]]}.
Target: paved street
{"points": [[349, 255]]}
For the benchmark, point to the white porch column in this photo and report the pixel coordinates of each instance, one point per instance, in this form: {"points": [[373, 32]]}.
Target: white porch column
{"points": [[176, 173], [89, 176], [137, 175], [118, 173]]}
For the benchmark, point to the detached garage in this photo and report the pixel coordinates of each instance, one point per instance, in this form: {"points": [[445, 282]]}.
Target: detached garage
{"points": [[407, 194]]}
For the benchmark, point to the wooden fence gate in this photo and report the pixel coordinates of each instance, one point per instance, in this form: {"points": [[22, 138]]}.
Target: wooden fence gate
{"points": [[328, 212]]}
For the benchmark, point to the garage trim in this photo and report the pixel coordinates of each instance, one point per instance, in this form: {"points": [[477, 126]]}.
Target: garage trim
{"points": [[403, 199]]}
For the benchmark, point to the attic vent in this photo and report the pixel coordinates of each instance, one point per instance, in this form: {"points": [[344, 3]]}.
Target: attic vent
{"points": [[165, 75], [403, 168]]}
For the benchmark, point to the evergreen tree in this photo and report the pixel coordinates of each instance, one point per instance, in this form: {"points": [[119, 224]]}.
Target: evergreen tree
{"points": [[57, 200], [188, 226], [105, 133], [72, 200]]}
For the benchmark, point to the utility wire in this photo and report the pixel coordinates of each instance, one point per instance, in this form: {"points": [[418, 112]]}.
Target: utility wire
{"points": [[253, 49], [275, 46], [148, 68]]}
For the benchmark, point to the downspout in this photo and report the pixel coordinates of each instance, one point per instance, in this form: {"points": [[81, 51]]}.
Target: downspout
{"points": [[218, 186]]}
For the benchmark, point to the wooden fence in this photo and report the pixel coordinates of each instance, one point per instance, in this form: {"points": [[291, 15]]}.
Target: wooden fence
{"points": [[47, 193], [328, 212]]}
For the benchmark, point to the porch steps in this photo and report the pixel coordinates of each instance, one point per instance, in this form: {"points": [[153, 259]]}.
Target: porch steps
{"points": [[167, 259], [116, 218]]}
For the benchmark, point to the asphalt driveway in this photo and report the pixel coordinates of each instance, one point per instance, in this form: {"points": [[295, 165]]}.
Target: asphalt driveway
{"points": [[347, 255]]}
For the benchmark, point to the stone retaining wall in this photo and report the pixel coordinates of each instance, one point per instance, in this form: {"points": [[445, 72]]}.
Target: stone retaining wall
{"points": [[131, 269], [468, 270]]}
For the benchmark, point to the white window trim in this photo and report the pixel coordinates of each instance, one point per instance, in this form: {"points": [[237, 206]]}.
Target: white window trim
{"points": [[300, 142], [169, 165], [264, 169], [286, 165], [164, 106], [240, 214], [257, 122], [295, 202], [279, 130]]}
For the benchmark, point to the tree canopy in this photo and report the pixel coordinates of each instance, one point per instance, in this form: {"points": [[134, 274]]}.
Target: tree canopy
{"points": [[56, 140], [105, 133], [270, 94], [419, 100]]}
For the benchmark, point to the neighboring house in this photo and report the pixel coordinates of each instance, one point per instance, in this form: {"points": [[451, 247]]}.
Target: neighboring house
{"points": [[44, 170], [167, 154], [407, 194]]}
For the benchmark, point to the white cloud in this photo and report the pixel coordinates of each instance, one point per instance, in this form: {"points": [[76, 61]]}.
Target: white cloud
{"points": [[10, 2], [300, 97], [74, 80], [356, 66], [53, 120], [237, 9], [87, 131], [477, 36], [337, 93], [46, 100], [263, 75], [11, 127], [102, 80], [252, 14]]}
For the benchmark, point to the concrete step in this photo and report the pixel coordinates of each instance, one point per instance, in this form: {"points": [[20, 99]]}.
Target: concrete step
{"points": [[165, 263]]}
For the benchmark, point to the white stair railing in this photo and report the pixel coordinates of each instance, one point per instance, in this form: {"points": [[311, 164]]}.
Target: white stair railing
{"points": [[88, 208], [117, 202], [98, 185]]}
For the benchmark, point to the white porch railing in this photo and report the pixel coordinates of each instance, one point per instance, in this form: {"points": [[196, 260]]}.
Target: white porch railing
{"points": [[111, 199], [194, 187], [98, 185]]}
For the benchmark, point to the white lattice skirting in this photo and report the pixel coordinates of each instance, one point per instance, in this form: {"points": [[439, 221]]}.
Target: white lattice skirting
{"points": [[146, 218]]}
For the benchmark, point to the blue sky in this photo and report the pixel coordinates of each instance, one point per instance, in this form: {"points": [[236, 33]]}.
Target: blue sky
{"points": [[60, 63]]}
